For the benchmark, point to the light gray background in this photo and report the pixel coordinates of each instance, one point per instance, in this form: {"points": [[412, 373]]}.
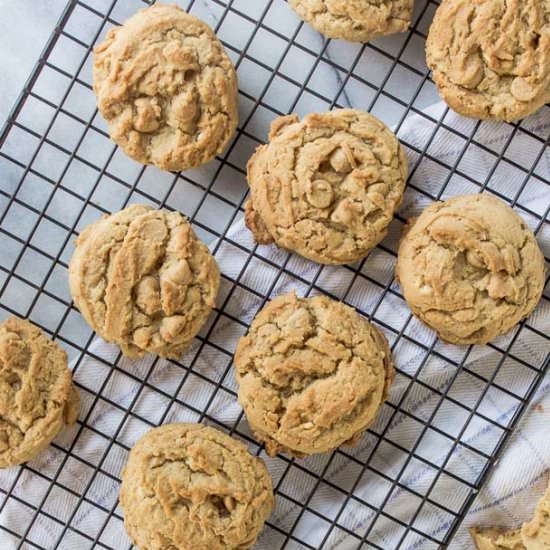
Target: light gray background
{"points": [[25, 26]]}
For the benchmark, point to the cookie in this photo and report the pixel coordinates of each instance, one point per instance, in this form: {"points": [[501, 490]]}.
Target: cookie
{"points": [[189, 486], [355, 20], [37, 396], [166, 88], [533, 535], [491, 59], [470, 268], [327, 186], [497, 539], [142, 279], [312, 375]]}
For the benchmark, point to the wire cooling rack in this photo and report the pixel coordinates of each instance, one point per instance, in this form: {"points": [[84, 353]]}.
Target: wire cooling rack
{"points": [[416, 472]]}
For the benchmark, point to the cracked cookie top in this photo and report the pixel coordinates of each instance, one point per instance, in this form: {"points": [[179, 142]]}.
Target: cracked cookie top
{"points": [[491, 59], [167, 88], [355, 20], [470, 268], [312, 374], [142, 279], [326, 187], [37, 396], [191, 486]]}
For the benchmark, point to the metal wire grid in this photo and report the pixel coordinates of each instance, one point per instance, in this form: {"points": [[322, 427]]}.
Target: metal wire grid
{"points": [[51, 187]]}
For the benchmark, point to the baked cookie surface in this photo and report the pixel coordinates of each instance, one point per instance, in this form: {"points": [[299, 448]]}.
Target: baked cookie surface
{"points": [[496, 539], [355, 20], [167, 88], [312, 375], [470, 268], [327, 186], [491, 59], [189, 486], [142, 279], [37, 396], [532, 535]]}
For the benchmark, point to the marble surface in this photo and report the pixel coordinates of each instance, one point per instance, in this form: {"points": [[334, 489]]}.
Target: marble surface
{"points": [[35, 22]]}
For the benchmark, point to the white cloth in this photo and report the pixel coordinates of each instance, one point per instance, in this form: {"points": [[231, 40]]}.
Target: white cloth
{"points": [[515, 483]]}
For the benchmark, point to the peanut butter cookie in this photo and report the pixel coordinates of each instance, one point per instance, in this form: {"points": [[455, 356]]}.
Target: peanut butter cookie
{"points": [[37, 396], [355, 20], [491, 59], [167, 88], [326, 187], [470, 268], [312, 375], [142, 278], [191, 487], [533, 535]]}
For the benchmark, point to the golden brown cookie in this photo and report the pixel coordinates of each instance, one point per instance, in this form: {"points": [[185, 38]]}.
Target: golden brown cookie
{"points": [[167, 88], [355, 20], [312, 375], [496, 539], [533, 535], [491, 59], [470, 268], [142, 279], [37, 396], [326, 187], [191, 487]]}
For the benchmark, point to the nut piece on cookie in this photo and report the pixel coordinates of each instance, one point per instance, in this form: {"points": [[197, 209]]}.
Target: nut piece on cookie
{"points": [[326, 187], [312, 375], [142, 279], [167, 88], [189, 486], [355, 20], [470, 268], [491, 59], [37, 395]]}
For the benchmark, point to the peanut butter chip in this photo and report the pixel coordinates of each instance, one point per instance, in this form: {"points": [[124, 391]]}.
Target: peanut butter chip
{"points": [[321, 194], [327, 186], [523, 90], [167, 88], [312, 375], [142, 279], [191, 486], [482, 263], [359, 21]]}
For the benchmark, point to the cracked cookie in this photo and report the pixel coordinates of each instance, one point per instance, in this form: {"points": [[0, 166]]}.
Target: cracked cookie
{"points": [[312, 375], [142, 279], [167, 88], [470, 268], [189, 486], [533, 535], [37, 396], [327, 186], [491, 59], [355, 20]]}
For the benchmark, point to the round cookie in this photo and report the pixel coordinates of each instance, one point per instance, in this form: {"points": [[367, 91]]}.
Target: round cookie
{"points": [[312, 375], [189, 486], [37, 396], [326, 187], [470, 268], [167, 88], [142, 279], [355, 20], [491, 59]]}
